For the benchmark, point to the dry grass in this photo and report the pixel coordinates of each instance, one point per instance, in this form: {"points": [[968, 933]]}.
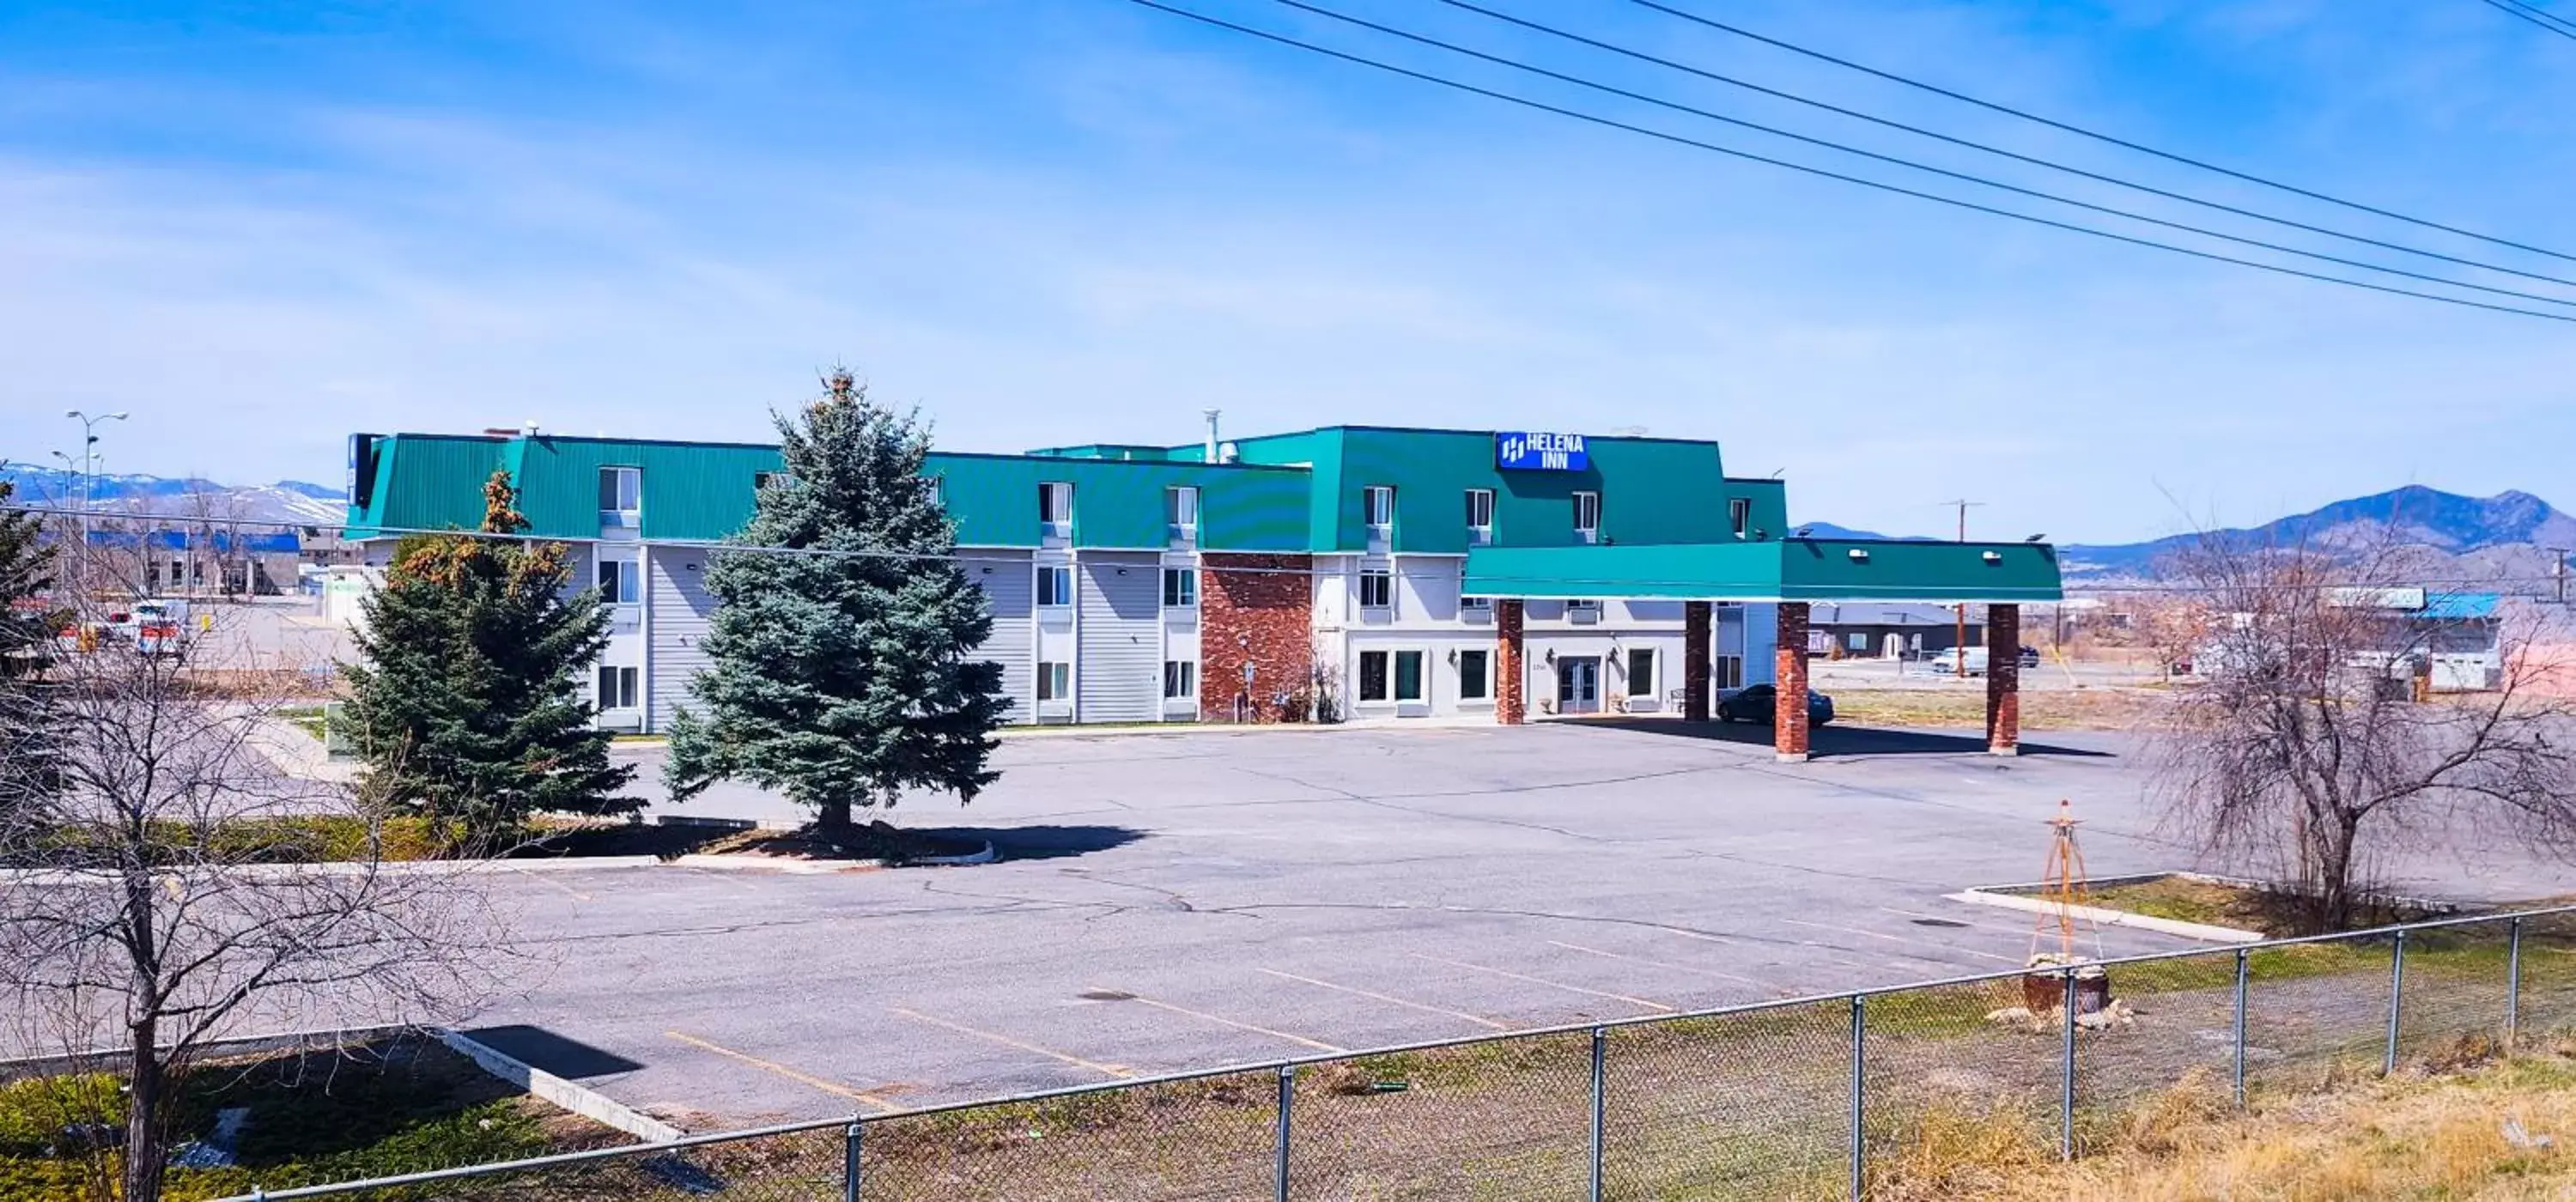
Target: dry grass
{"points": [[2041, 709], [2450, 1137]]}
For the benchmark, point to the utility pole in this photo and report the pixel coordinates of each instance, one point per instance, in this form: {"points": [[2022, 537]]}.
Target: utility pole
{"points": [[1960, 611], [88, 469], [2558, 571]]}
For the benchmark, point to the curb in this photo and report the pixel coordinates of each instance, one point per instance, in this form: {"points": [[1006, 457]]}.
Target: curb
{"points": [[581, 1100], [2203, 932], [284, 1041]]}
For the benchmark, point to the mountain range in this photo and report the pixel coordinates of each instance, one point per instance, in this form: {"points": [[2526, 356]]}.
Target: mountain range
{"points": [[289, 501], [2509, 535]]}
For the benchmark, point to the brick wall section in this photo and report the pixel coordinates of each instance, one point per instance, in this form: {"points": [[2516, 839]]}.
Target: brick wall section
{"points": [[2003, 679], [1789, 721], [1695, 642], [1264, 617], [1511, 678]]}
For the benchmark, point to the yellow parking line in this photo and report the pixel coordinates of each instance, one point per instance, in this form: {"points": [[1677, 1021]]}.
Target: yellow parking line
{"points": [[1705, 972], [830, 1087], [1478, 1019], [1109, 1070], [1316, 1044], [1616, 997]]}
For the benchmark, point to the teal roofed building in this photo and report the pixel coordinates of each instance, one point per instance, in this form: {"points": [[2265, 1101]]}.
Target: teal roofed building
{"points": [[1346, 571]]}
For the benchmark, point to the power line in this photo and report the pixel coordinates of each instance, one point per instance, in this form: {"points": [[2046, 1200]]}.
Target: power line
{"points": [[1910, 164], [1824, 173], [2097, 136], [2545, 20], [964, 555], [1971, 144]]}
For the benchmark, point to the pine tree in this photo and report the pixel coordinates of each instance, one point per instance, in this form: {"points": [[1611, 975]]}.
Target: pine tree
{"points": [[28, 624], [843, 679], [467, 704]]}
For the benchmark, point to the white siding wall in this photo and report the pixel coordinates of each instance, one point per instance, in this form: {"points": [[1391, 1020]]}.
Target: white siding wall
{"points": [[1008, 592], [675, 590], [1118, 663]]}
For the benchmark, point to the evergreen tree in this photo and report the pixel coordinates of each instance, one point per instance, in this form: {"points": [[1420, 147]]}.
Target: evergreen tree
{"points": [[842, 679], [468, 702], [29, 622]]}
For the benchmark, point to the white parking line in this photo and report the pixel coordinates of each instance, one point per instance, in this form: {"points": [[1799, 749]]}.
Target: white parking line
{"points": [[1704, 972], [1478, 1019], [1826, 926], [1301, 1040], [1109, 1070], [1616, 997]]}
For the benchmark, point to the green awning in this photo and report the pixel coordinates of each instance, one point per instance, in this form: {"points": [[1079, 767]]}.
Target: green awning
{"points": [[1789, 570]]}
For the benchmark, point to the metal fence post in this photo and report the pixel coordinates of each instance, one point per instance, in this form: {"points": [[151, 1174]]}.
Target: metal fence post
{"points": [[1600, 1048], [1859, 1092], [2242, 979], [850, 1161], [2396, 1001], [1287, 1093], [2513, 985], [2066, 1095]]}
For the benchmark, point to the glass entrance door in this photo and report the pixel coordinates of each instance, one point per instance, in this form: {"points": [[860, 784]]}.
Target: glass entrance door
{"points": [[1578, 684]]}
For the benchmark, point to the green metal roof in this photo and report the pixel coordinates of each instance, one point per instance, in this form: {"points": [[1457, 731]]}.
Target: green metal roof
{"points": [[1795, 570]]}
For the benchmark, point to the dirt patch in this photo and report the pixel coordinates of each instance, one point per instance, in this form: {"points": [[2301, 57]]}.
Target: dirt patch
{"points": [[878, 840], [2041, 709]]}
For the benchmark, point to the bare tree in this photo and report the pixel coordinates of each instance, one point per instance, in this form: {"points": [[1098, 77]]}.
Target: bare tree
{"points": [[2312, 749], [152, 901]]}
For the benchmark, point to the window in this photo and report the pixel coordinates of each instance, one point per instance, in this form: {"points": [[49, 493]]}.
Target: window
{"points": [[938, 491], [1055, 680], [1726, 671], [1373, 674], [1180, 588], [1468, 604], [1587, 515], [1180, 678], [1480, 515], [1408, 676], [617, 581], [1641, 671], [764, 481], [621, 492], [1055, 584], [1582, 610], [1857, 641], [1181, 509], [1377, 507], [1739, 515], [1377, 589], [1055, 504], [1472, 680], [616, 688]]}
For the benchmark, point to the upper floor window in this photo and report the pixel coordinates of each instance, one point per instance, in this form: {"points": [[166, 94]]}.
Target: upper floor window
{"points": [[1181, 509], [1587, 516], [1055, 584], [938, 490], [621, 494], [1377, 506], [1468, 603], [764, 481], [1055, 504], [620, 583], [1377, 589], [1480, 515], [1180, 588], [1739, 515]]}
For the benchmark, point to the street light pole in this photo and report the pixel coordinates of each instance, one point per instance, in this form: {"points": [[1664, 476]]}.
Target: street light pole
{"points": [[89, 468]]}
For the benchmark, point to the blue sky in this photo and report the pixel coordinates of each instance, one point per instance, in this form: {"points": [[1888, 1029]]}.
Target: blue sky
{"points": [[259, 227]]}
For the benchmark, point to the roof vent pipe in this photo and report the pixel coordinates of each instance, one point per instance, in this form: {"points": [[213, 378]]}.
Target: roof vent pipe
{"points": [[1210, 455], [529, 430]]}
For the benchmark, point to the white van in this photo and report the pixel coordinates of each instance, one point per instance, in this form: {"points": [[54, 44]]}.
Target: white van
{"points": [[1946, 663]]}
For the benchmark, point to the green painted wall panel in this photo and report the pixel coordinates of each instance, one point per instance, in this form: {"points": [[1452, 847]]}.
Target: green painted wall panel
{"points": [[429, 482]]}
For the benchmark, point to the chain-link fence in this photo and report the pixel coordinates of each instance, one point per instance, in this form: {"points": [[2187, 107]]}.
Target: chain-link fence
{"points": [[1813, 1098]]}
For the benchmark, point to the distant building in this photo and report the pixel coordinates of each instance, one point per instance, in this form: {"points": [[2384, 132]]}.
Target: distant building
{"points": [[1888, 630]]}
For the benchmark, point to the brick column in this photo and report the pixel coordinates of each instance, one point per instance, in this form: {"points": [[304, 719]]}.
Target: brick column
{"points": [[1789, 717], [1695, 637], [2003, 679], [1511, 679]]}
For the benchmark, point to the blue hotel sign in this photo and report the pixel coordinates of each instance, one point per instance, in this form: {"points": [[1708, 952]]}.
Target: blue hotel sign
{"points": [[1520, 450]]}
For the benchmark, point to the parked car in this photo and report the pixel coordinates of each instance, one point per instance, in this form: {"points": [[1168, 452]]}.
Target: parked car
{"points": [[1759, 702], [1946, 662]]}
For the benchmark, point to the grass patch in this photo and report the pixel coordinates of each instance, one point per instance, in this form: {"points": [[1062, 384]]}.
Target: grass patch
{"points": [[2213, 903], [311, 719], [2041, 709], [395, 1107]]}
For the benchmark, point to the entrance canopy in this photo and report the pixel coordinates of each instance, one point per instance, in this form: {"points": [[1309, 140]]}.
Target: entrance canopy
{"points": [[1790, 570]]}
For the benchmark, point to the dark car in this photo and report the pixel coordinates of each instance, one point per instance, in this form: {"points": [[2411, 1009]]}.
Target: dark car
{"points": [[1756, 703]]}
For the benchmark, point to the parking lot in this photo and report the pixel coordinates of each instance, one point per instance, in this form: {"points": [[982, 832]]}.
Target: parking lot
{"points": [[1229, 896]]}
